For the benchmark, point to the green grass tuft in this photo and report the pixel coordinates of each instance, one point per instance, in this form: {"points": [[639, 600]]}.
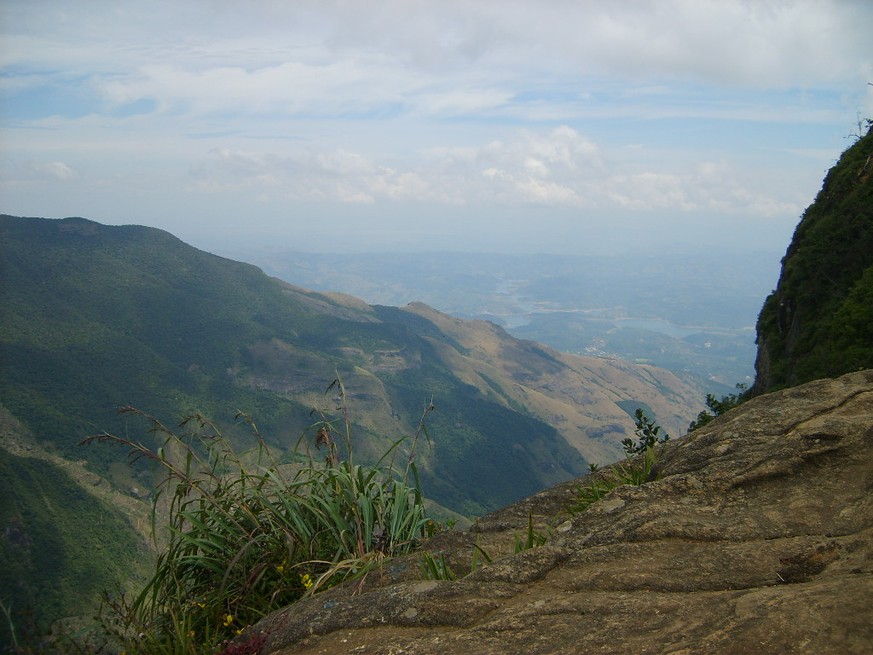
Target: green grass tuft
{"points": [[634, 471], [247, 536]]}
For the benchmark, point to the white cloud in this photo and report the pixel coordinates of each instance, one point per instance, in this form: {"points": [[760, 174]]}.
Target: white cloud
{"points": [[708, 188], [334, 176], [433, 58], [553, 168], [480, 106], [752, 43], [30, 173], [58, 170], [557, 168]]}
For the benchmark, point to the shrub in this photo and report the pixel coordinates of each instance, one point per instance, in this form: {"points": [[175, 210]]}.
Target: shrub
{"points": [[638, 467], [718, 407], [633, 471]]}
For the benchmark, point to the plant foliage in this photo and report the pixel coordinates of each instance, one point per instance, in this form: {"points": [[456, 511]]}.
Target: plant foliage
{"points": [[648, 433], [533, 539], [246, 536], [436, 567], [718, 407], [634, 471], [817, 322]]}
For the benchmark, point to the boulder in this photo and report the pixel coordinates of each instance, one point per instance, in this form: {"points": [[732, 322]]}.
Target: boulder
{"points": [[755, 535]]}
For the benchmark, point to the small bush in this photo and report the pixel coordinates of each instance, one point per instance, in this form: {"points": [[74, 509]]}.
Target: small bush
{"points": [[718, 407]]}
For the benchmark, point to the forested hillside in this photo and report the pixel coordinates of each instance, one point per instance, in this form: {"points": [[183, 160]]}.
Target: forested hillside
{"points": [[819, 321]]}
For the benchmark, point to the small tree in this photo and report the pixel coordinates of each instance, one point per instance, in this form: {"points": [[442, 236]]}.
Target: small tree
{"points": [[648, 434]]}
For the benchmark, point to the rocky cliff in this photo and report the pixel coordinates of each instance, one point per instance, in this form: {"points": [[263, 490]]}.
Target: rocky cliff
{"points": [[819, 320], [755, 537]]}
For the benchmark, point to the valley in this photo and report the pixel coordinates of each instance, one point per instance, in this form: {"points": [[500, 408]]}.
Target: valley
{"points": [[95, 318], [693, 314]]}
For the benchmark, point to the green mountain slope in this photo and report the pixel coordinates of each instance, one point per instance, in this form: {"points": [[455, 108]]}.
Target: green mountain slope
{"points": [[819, 320], [95, 317], [61, 546]]}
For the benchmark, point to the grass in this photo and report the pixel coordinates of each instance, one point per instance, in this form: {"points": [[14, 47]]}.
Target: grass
{"points": [[246, 536], [637, 468], [533, 538], [436, 567], [633, 471]]}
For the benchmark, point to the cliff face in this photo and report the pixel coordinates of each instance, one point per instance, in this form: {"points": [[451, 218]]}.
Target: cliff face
{"points": [[756, 538], [819, 321]]}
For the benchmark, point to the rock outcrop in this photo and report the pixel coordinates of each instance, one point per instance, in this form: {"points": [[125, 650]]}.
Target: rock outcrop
{"points": [[757, 537], [819, 321]]}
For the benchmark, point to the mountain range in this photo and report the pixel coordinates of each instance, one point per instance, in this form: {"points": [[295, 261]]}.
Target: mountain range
{"points": [[692, 313], [94, 318], [752, 535]]}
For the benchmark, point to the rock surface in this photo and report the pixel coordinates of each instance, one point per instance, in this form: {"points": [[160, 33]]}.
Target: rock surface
{"points": [[756, 538]]}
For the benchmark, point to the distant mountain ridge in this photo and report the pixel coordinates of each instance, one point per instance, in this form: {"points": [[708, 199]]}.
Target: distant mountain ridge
{"points": [[753, 536], [96, 317], [691, 313]]}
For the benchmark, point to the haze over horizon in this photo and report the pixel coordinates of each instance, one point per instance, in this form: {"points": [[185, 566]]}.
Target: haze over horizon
{"points": [[518, 127]]}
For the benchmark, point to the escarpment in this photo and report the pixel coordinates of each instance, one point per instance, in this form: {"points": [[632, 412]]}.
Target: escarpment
{"points": [[819, 320]]}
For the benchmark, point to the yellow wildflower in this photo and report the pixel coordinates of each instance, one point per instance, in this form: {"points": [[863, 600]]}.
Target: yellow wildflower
{"points": [[228, 620], [306, 581]]}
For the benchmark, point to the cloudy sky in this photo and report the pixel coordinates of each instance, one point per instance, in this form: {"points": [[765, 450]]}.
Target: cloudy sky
{"points": [[506, 126]]}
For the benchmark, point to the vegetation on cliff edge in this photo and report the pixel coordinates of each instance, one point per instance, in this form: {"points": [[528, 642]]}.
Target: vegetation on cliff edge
{"points": [[819, 320]]}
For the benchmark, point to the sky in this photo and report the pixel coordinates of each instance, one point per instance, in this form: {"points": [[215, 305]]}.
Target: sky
{"points": [[546, 126]]}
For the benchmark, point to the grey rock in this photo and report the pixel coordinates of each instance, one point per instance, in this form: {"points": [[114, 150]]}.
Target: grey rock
{"points": [[757, 538]]}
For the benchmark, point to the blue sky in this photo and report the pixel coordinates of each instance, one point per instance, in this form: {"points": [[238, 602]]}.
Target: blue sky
{"points": [[549, 126]]}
